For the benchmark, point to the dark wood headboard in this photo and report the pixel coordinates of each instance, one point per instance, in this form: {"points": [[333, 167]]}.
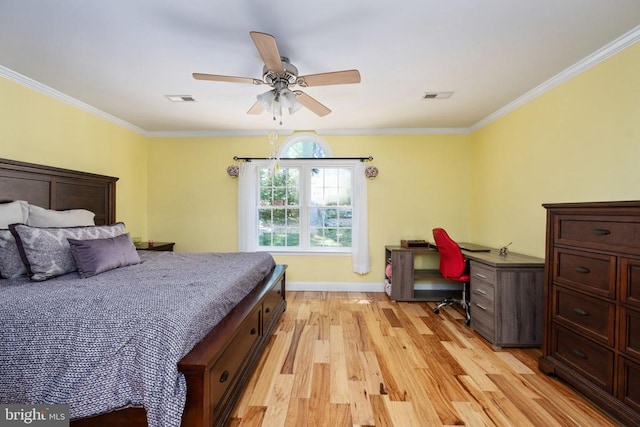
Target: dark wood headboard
{"points": [[56, 188]]}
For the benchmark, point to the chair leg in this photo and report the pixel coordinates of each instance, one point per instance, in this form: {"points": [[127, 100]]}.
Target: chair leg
{"points": [[464, 302]]}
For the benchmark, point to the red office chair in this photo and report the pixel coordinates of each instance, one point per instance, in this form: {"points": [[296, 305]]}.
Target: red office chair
{"points": [[453, 266]]}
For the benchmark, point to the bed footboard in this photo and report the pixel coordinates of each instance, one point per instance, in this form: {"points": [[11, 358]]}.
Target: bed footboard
{"points": [[219, 366]]}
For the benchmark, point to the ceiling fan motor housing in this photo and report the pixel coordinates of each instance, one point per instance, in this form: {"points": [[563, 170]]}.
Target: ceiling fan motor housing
{"points": [[289, 76]]}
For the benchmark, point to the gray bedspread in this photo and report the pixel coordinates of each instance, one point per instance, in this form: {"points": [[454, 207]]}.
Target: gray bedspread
{"points": [[113, 340]]}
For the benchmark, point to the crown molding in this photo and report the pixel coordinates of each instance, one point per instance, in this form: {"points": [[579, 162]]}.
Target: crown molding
{"points": [[46, 90], [579, 67], [393, 131]]}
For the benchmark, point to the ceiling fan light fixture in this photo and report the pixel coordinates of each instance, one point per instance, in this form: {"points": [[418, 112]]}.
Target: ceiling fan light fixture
{"points": [[295, 107], [287, 98], [266, 99]]}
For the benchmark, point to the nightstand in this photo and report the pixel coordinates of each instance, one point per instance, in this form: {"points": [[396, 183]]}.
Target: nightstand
{"points": [[154, 246]]}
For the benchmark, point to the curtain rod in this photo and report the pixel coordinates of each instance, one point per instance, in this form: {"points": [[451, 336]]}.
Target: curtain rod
{"points": [[248, 159]]}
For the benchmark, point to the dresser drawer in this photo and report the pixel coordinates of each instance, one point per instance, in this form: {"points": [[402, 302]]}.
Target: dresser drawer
{"points": [[629, 332], [630, 281], [629, 383], [588, 272], [482, 272], [594, 361], [590, 231], [588, 315]]}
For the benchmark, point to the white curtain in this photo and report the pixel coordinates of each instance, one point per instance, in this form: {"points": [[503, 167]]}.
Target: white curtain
{"points": [[360, 234], [247, 215]]}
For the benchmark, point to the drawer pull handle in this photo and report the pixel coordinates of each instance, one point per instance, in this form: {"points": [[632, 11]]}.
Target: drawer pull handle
{"points": [[224, 376], [482, 276], [580, 354], [254, 331], [582, 270], [601, 232], [581, 312], [267, 310], [481, 307], [481, 291]]}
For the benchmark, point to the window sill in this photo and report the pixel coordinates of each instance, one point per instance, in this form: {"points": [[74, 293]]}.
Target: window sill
{"points": [[306, 253]]}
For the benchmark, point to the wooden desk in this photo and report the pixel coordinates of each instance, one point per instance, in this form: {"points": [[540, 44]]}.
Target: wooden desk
{"points": [[400, 284], [507, 298]]}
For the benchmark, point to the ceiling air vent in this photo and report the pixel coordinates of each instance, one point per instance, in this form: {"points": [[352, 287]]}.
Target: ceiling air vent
{"points": [[437, 95], [180, 98]]}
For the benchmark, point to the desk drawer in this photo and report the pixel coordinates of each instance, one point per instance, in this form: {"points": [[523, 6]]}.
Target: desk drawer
{"points": [[482, 290], [588, 315], [594, 361], [590, 231], [482, 272], [585, 271], [483, 322]]}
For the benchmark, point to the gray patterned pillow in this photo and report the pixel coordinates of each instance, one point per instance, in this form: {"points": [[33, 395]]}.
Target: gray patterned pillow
{"points": [[45, 252], [11, 264]]}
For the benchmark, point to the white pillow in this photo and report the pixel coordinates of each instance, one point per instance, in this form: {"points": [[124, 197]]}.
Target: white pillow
{"points": [[13, 213], [40, 217]]}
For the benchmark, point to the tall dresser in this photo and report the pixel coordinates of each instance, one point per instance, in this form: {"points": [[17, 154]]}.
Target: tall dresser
{"points": [[592, 303]]}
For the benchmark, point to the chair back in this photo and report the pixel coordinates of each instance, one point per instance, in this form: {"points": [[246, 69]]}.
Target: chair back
{"points": [[452, 262]]}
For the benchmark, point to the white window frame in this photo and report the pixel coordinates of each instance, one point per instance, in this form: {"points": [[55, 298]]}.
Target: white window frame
{"points": [[305, 137], [305, 206], [248, 199]]}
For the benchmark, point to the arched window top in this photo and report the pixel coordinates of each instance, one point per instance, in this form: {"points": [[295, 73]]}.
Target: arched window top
{"points": [[305, 145]]}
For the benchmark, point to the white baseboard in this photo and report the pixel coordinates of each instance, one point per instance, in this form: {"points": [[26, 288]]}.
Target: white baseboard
{"points": [[355, 287], [335, 287]]}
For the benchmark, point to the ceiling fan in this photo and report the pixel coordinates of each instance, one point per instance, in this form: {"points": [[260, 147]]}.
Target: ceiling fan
{"points": [[283, 76]]}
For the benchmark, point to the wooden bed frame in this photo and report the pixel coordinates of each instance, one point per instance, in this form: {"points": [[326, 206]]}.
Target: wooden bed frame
{"points": [[218, 367]]}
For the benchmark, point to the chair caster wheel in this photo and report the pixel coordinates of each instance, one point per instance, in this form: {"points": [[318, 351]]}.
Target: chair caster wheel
{"points": [[436, 310], [467, 322]]}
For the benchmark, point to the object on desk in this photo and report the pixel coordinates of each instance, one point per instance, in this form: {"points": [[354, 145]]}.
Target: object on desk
{"points": [[414, 243], [505, 249], [472, 247]]}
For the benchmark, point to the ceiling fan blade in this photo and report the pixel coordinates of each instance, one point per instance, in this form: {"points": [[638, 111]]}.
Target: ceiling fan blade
{"points": [[312, 104], [333, 78], [255, 109], [268, 50], [231, 79]]}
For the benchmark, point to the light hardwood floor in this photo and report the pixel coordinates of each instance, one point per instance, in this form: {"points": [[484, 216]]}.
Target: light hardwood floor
{"points": [[343, 359]]}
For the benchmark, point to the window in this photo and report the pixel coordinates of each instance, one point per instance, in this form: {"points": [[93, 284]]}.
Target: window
{"points": [[305, 206]]}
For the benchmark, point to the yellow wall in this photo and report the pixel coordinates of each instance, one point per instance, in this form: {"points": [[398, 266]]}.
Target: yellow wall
{"points": [[193, 201], [578, 142], [39, 129]]}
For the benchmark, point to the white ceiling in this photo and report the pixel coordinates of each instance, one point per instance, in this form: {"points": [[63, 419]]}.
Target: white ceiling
{"points": [[123, 56]]}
